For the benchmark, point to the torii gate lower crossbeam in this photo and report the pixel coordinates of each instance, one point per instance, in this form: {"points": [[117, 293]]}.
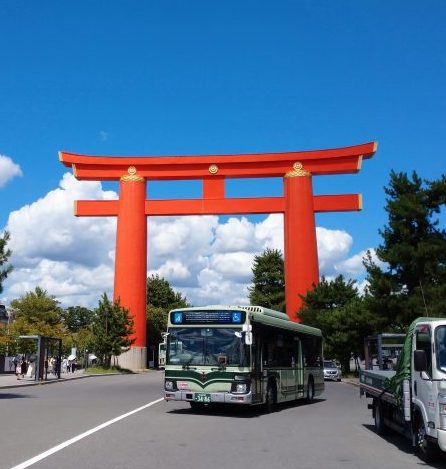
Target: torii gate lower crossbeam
{"points": [[298, 205]]}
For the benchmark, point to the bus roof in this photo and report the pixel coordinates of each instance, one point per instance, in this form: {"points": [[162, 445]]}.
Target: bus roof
{"points": [[262, 315]]}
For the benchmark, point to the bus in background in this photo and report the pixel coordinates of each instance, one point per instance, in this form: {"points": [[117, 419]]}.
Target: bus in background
{"points": [[241, 355]]}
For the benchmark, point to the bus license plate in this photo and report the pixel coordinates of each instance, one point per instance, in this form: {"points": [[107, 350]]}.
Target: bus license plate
{"points": [[202, 398]]}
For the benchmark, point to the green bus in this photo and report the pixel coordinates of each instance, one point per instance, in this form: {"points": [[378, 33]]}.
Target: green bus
{"points": [[241, 355]]}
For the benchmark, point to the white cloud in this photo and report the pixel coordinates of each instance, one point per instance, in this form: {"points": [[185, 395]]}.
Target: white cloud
{"points": [[8, 170], [206, 260], [333, 246], [233, 265], [174, 270], [47, 229], [237, 234]]}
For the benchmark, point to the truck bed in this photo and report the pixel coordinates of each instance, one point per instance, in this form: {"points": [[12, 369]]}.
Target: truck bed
{"points": [[372, 383]]}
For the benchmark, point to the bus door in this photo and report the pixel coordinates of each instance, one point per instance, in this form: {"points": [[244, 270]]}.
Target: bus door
{"points": [[299, 368], [256, 367], [292, 373]]}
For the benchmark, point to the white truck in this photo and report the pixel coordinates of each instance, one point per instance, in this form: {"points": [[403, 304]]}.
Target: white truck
{"points": [[412, 398]]}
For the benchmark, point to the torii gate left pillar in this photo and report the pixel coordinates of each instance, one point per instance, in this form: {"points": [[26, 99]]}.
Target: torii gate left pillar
{"points": [[131, 262]]}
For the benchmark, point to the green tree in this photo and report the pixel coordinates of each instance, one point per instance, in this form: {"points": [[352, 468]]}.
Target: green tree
{"points": [[161, 295], [4, 256], [336, 308], [82, 340], [268, 287], [112, 326], [78, 322], [161, 298], [412, 282], [37, 312], [76, 318]]}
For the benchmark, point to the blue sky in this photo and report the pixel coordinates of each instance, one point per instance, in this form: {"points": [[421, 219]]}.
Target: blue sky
{"points": [[204, 77]]}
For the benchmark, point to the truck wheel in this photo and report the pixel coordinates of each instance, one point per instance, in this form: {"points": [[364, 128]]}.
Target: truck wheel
{"points": [[271, 399], [380, 427], [426, 450]]}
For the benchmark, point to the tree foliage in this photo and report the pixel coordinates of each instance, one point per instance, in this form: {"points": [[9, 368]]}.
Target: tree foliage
{"points": [[412, 281], [268, 287], [112, 325], [336, 308], [76, 318], [37, 312], [5, 254], [161, 298], [78, 321], [161, 295]]}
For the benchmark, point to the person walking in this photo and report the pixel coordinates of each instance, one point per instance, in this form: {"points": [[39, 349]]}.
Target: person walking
{"points": [[18, 370], [23, 366], [65, 365]]}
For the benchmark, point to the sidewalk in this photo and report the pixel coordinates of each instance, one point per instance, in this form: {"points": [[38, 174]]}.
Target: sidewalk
{"points": [[11, 381], [352, 381]]}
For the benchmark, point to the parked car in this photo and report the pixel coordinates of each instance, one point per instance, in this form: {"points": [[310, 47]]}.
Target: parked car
{"points": [[332, 370]]}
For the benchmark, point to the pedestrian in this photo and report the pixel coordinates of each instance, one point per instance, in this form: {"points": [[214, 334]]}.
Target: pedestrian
{"points": [[52, 366], [57, 366], [18, 370], [23, 366]]}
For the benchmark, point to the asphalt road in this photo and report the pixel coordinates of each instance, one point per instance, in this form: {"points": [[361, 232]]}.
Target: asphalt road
{"points": [[334, 432]]}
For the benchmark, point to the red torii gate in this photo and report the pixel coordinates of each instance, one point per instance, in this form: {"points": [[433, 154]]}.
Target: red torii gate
{"points": [[298, 205]]}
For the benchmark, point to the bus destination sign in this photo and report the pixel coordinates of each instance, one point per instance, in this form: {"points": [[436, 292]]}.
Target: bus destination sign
{"points": [[207, 317]]}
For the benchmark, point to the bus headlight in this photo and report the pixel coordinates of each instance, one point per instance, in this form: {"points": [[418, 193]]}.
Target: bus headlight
{"points": [[240, 388], [169, 385]]}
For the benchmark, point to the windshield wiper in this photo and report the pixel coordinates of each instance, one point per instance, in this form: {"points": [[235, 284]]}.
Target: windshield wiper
{"points": [[186, 366]]}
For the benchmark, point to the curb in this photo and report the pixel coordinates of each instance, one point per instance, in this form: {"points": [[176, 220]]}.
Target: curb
{"points": [[353, 382], [53, 381]]}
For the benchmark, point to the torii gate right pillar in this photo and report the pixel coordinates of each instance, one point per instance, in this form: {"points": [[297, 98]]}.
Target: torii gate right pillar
{"points": [[300, 253]]}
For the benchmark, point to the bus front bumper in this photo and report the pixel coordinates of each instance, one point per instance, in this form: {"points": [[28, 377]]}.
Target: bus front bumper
{"points": [[208, 398]]}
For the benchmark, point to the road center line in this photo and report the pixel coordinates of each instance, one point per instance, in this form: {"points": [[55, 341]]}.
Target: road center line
{"points": [[69, 442]]}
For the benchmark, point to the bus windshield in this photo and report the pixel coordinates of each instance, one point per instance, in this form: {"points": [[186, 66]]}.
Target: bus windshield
{"points": [[207, 346]]}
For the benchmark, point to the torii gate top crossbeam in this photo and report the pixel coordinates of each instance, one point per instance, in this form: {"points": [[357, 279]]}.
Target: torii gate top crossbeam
{"points": [[317, 162]]}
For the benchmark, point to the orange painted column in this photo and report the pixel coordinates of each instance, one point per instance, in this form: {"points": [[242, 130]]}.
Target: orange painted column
{"points": [[131, 252], [301, 260]]}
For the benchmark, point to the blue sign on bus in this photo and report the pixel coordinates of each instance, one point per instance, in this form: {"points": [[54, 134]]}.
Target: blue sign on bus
{"points": [[208, 317]]}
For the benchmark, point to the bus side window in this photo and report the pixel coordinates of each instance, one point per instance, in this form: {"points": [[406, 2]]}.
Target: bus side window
{"points": [[312, 347]]}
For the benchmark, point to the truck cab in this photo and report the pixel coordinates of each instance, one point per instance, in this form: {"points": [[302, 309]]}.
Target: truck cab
{"points": [[412, 398], [428, 384]]}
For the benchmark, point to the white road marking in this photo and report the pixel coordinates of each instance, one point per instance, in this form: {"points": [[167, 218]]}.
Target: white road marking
{"points": [[69, 442]]}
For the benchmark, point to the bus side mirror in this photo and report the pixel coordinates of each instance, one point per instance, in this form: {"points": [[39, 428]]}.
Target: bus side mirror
{"points": [[248, 338], [419, 360]]}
